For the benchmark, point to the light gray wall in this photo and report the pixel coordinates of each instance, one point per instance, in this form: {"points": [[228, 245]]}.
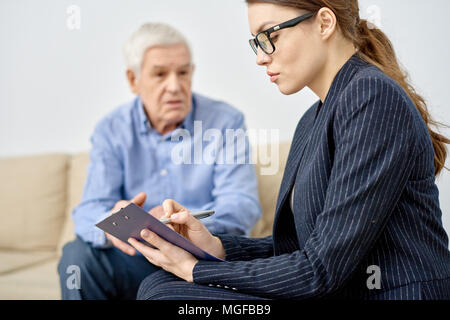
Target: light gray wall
{"points": [[56, 83]]}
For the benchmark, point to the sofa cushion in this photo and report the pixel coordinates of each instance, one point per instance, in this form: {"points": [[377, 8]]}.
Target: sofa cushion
{"points": [[40, 282], [14, 260], [33, 201], [77, 174]]}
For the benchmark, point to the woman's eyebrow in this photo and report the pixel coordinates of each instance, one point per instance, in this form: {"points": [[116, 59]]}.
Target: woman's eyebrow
{"points": [[262, 27]]}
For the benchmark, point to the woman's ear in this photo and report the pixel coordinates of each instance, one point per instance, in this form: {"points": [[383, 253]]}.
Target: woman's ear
{"points": [[327, 22], [132, 81]]}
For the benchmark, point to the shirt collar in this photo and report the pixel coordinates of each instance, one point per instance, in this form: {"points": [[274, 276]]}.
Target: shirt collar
{"points": [[145, 125], [188, 122]]}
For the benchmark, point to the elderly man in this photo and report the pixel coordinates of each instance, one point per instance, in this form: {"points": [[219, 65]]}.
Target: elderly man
{"points": [[133, 157]]}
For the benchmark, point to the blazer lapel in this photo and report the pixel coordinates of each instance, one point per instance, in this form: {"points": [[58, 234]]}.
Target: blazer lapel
{"points": [[312, 122], [301, 139]]}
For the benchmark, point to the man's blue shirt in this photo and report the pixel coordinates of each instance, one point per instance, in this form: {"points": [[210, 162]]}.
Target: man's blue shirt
{"points": [[128, 156]]}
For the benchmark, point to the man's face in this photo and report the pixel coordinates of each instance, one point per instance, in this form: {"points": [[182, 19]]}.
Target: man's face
{"points": [[164, 85]]}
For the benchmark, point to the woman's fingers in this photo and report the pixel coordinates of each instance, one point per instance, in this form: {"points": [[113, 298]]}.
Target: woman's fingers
{"points": [[186, 218], [167, 256], [156, 256], [152, 255], [154, 239], [167, 207], [157, 212], [171, 206]]}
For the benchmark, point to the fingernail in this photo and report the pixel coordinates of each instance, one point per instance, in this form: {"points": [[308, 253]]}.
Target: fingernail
{"points": [[174, 216], [145, 233]]}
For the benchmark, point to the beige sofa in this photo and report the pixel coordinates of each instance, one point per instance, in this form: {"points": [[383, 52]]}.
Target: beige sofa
{"points": [[37, 196]]}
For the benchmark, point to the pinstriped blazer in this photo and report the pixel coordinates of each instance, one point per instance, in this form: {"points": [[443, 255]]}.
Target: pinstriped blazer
{"points": [[365, 199]]}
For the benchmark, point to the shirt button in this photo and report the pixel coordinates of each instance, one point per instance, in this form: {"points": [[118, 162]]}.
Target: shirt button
{"points": [[163, 172]]}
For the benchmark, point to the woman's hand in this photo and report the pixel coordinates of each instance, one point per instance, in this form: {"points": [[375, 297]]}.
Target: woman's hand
{"points": [[193, 229], [166, 255], [170, 257]]}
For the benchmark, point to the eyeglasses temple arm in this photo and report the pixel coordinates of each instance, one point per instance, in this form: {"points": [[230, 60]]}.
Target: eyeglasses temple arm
{"points": [[291, 23]]}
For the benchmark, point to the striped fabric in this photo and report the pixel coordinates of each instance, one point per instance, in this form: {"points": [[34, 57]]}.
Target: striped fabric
{"points": [[365, 195], [162, 285]]}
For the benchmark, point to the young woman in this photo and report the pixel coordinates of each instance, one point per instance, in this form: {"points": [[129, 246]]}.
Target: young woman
{"points": [[358, 213]]}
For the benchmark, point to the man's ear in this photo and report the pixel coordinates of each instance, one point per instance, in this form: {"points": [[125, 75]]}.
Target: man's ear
{"points": [[132, 81], [327, 22]]}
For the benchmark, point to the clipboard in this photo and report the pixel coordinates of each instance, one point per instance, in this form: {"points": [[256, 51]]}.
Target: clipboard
{"points": [[129, 221]]}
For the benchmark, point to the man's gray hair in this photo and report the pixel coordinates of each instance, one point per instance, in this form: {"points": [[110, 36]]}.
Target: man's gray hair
{"points": [[147, 36]]}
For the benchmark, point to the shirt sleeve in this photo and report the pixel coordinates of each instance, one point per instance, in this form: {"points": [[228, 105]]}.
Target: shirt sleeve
{"points": [[102, 188], [235, 186], [375, 150]]}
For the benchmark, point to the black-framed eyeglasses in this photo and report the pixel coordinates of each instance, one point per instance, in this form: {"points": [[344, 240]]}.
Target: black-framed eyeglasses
{"points": [[265, 42]]}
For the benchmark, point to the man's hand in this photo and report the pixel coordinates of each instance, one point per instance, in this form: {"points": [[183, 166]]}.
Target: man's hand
{"points": [[138, 200]]}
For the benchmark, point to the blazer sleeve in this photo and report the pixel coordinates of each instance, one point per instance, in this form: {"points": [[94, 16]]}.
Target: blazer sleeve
{"points": [[239, 248], [374, 153]]}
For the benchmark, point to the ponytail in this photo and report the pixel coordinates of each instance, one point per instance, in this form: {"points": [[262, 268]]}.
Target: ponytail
{"points": [[375, 48]]}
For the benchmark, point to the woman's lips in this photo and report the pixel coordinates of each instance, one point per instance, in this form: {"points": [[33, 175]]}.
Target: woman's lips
{"points": [[273, 76]]}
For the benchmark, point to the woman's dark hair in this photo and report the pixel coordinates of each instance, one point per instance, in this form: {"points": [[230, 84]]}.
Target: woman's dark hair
{"points": [[374, 47]]}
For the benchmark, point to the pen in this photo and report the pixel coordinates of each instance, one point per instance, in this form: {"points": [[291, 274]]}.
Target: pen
{"points": [[198, 215]]}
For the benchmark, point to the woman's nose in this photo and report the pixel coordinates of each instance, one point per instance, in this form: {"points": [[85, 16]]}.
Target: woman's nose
{"points": [[262, 58]]}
